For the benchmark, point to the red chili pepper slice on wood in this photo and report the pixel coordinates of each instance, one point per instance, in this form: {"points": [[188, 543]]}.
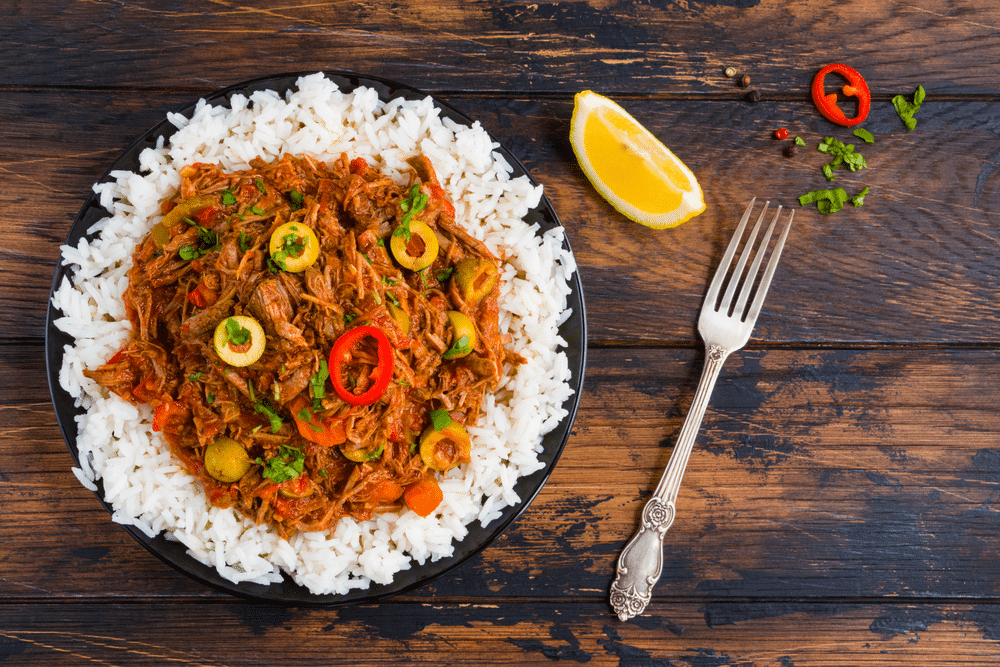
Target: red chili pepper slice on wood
{"points": [[856, 87], [380, 375]]}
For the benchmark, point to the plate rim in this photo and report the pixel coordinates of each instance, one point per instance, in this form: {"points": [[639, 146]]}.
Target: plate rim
{"points": [[287, 592]]}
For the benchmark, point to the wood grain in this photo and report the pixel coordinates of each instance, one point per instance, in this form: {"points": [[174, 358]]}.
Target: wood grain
{"points": [[834, 484], [840, 506], [915, 264]]}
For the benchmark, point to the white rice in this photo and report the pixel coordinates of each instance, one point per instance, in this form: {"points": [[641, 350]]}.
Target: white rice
{"points": [[146, 486]]}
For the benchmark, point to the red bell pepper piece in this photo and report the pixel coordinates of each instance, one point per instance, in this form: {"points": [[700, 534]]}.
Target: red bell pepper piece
{"points": [[380, 376], [856, 87], [202, 296]]}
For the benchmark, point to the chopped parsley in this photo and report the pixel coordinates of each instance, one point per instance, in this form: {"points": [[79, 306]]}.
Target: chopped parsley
{"points": [[317, 383], [907, 109], [244, 241], [228, 198], [827, 201], [799, 141], [843, 154], [194, 377], [272, 415], [207, 242], [864, 135], [459, 348], [440, 419], [287, 464], [411, 204], [236, 333], [444, 274], [296, 199], [291, 245], [257, 211], [260, 186], [859, 199]]}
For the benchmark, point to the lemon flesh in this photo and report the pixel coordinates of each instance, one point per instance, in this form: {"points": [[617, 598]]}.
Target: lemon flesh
{"points": [[630, 167]]}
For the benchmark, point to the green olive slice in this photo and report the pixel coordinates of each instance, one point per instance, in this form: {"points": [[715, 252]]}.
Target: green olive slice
{"points": [[239, 340], [294, 247], [475, 277], [444, 449], [463, 335], [419, 250]]}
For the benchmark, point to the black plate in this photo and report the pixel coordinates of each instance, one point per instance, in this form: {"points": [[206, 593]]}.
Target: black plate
{"points": [[574, 331]]}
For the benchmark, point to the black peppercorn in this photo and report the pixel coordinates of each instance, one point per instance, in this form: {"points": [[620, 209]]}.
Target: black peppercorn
{"points": [[753, 96], [744, 81], [790, 150]]}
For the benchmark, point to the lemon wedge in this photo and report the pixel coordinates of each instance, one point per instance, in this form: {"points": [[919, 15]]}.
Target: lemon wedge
{"points": [[630, 167]]}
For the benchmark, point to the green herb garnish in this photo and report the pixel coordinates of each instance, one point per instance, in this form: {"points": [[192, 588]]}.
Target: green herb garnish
{"points": [[459, 348], [256, 211], [799, 141], [244, 241], [317, 383], [194, 377], [272, 415], [260, 186], [287, 464], [906, 109], [859, 199], [440, 419], [236, 333], [864, 135], [843, 154], [827, 201], [305, 414], [228, 198], [296, 198], [444, 274], [413, 203]]}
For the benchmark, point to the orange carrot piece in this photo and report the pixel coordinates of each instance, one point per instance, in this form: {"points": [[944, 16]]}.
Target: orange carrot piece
{"points": [[424, 496]]}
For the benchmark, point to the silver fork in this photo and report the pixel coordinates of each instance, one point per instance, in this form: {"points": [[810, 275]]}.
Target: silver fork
{"points": [[725, 327]]}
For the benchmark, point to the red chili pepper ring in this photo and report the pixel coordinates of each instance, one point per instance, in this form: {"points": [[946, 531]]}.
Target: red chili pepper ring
{"points": [[856, 87], [380, 375]]}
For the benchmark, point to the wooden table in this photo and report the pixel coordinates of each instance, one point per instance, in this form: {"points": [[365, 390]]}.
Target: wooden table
{"points": [[840, 506]]}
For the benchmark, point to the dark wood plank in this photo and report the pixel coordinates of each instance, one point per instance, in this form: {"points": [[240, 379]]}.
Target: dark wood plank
{"points": [[522, 633], [817, 475], [484, 46], [916, 263]]}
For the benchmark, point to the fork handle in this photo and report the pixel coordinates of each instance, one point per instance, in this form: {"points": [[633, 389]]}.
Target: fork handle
{"points": [[641, 561]]}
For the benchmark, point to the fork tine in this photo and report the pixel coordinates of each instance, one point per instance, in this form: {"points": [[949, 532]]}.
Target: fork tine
{"points": [[720, 272], [772, 264], [751, 276], [734, 281]]}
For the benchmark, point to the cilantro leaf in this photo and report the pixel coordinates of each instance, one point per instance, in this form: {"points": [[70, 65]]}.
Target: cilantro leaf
{"points": [[287, 464], [859, 199], [440, 419], [236, 333], [906, 109], [459, 348], [827, 201], [864, 135]]}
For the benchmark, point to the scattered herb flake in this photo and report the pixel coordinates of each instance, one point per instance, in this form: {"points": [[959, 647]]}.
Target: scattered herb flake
{"points": [[907, 109], [287, 464], [440, 419]]}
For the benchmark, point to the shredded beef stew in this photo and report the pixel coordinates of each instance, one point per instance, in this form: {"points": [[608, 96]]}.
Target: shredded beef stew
{"points": [[314, 338]]}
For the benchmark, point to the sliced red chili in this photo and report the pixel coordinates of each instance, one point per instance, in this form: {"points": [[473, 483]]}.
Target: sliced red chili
{"points": [[856, 87], [380, 375]]}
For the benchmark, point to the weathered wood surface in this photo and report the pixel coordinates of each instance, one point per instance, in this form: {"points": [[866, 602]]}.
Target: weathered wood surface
{"points": [[840, 507]]}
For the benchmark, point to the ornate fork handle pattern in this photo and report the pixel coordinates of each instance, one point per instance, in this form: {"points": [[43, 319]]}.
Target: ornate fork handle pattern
{"points": [[641, 562]]}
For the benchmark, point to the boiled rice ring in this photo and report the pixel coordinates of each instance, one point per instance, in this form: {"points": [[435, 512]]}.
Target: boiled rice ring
{"points": [[630, 167]]}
